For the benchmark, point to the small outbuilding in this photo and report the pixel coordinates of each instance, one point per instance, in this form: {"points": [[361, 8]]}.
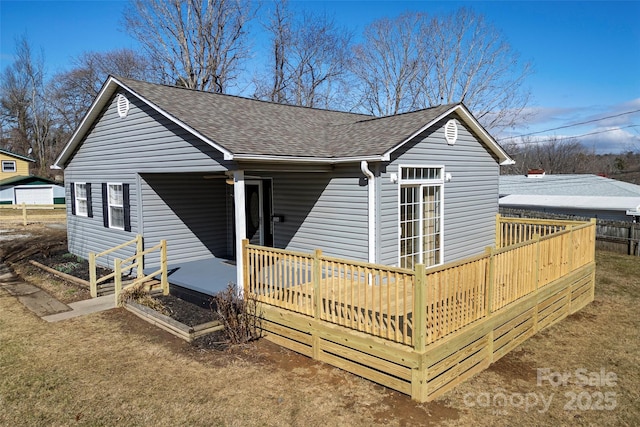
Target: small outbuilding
{"points": [[31, 190]]}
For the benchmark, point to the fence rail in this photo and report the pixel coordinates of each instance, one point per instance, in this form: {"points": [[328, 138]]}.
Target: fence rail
{"points": [[33, 213], [135, 261]]}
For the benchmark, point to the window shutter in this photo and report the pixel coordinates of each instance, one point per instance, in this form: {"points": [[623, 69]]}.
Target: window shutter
{"points": [[89, 205], [105, 205], [126, 207], [72, 191]]}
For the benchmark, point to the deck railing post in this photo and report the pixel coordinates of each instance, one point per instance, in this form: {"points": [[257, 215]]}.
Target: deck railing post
{"points": [[117, 288], [164, 278], [536, 237], [140, 258], [498, 231], [419, 329], [245, 266], [317, 277], [92, 275], [490, 280]]}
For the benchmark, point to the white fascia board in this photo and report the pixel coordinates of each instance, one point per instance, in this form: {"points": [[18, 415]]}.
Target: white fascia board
{"points": [[468, 118], [292, 159], [99, 103]]}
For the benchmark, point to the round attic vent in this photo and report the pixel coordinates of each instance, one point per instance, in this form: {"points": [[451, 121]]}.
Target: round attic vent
{"points": [[123, 105], [451, 131]]}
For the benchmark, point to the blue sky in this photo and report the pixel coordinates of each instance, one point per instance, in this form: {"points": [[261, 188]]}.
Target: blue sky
{"points": [[586, 55]]}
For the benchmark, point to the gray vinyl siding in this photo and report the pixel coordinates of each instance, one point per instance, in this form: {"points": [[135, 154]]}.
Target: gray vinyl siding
{"points": [[190, 212], [322, 210], [116, 150], [470, 198]]}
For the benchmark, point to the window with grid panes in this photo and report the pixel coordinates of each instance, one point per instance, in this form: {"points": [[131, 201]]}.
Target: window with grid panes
{"points": [[421, 207]]}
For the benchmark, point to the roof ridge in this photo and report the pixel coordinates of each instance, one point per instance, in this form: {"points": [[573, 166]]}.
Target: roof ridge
{"points": [[244, 98]]}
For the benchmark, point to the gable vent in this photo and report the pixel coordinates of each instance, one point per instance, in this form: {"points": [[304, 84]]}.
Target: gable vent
{"points": [[123, 105], [451, 131]]}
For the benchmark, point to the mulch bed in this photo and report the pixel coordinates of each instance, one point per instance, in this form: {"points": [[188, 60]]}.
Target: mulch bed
{"points": [[185, 312]]}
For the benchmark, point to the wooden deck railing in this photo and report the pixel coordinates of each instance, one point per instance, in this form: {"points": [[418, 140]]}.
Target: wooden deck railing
{"points": [[420, 307], [463, 292], [371, 298], [511, 231]]}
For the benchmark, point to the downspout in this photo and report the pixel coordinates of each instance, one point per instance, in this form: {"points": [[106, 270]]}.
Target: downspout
{"points": [[364, 167]]}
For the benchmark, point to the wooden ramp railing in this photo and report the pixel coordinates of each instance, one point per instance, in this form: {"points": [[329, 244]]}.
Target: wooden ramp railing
{"points": [[135, 261]]}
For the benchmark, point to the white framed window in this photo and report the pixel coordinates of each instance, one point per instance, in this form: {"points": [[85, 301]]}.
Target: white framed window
{"points": [[81, 199], [9, 166], [421, 215], [115, 197]]}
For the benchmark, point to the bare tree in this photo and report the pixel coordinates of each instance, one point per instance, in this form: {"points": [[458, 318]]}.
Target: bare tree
{"points": [[472, 63], [199, 44], [72, 92], [273, 85], [554, 155], [309, 62], [388, 62], [24, 106], [414, 62]]}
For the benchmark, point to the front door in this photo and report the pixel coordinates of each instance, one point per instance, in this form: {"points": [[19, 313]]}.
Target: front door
{"points": [[258, 212]]}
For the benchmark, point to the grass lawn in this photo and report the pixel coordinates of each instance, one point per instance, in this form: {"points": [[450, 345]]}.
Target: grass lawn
{"points": [[114, 369]]}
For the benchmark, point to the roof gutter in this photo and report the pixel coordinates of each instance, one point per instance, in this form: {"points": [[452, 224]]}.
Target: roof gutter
{"points": [[371, 179]]}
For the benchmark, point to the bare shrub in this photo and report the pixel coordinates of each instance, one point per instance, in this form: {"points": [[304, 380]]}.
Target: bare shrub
{"points": [[242, 321], [140, 295]]}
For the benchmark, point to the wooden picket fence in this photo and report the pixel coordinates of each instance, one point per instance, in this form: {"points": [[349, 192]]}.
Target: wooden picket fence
{"points": [[423, 331]]}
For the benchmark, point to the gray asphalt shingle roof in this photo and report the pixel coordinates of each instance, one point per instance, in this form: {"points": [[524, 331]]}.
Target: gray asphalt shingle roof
{"points": [[247, 126]]}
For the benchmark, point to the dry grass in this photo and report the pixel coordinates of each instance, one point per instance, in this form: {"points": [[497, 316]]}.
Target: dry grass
{"points": [[114, 369]]}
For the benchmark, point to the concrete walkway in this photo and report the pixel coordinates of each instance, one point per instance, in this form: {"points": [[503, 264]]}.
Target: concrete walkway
{"points": [[46, 306]]}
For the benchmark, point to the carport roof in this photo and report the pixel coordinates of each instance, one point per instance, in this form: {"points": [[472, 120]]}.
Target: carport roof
{"points": [[249, 129]]}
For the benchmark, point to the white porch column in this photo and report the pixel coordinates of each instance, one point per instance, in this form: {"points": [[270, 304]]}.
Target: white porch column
{"points": [[241, 225]]}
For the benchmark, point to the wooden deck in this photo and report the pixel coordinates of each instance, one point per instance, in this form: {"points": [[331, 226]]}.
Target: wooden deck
{"points": [[423, 332]]}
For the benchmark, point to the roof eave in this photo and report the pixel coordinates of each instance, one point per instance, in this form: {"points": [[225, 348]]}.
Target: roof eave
{"points": [[503, 158], [301, 159]]}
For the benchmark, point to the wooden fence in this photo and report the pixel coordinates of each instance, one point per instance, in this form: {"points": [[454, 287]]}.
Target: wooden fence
{"points": [[422, 332], [33, 213], [133, 262]]}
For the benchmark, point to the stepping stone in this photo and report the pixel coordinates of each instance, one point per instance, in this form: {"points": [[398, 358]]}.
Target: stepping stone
{"points": [[42, 304]]}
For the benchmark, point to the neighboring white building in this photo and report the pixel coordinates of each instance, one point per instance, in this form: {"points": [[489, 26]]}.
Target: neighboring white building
{"points": [[32, 190], [581, 195]]}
